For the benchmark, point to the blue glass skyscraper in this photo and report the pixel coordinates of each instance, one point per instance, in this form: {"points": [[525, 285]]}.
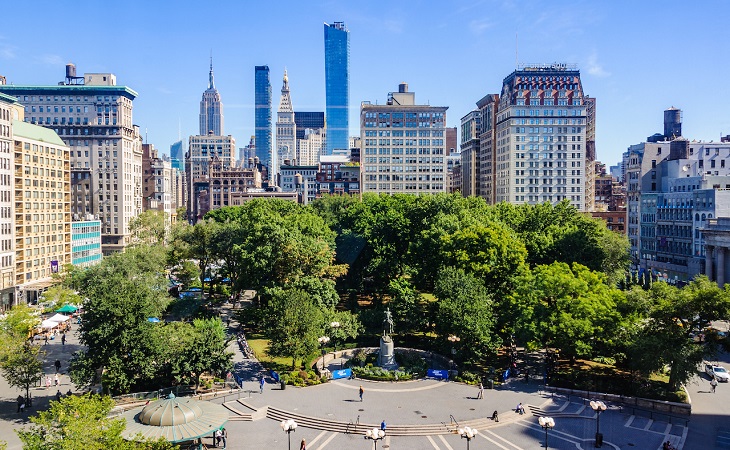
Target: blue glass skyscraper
{"points": [[337, 84], [263, 115], [177, 156]]}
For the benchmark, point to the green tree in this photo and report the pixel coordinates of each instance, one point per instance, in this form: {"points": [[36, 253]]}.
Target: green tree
{"points": [[207, 352], [566, 307], [81, 423], [464, 310], [406, 305], [186, 273], [23, 367], [61, 295], [149, 228], [121, 293], [294, 324], [664, 338]]}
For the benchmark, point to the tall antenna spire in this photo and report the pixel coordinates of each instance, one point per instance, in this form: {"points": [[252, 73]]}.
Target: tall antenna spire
{"points": [[517, 59], [211, 83]]}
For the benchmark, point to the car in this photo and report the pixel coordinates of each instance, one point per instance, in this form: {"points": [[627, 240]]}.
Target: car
{"points": [[717, 372]]}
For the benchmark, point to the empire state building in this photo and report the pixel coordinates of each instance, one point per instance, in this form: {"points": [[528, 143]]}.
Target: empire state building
{"points": [[211, 109]]}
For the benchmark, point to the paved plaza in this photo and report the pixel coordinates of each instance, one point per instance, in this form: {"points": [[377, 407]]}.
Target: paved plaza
{"points": [[420, 414]]}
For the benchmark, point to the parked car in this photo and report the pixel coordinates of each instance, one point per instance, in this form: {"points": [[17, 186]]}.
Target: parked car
{"points": [[717, 372]]}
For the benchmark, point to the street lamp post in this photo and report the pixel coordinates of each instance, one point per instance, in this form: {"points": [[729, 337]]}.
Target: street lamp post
{"points": [[334, 326], [468, 434], [546, 423], [375, 435], [323, 341], [598, 406], [453, 339], [288, 426]]}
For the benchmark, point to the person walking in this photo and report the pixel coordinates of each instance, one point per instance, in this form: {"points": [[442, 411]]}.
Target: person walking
{"points": [[63, 339], [383, 425], [480, 396], [303, 445], [56, 381], [21, 403], [45, 339], [48, 381], [57, 365], [362, 391], [261, 385], [218, 435], [713, 384], [224, 436]]}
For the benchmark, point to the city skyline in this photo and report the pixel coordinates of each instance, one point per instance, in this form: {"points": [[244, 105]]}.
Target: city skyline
{"points": [[630, 58]]}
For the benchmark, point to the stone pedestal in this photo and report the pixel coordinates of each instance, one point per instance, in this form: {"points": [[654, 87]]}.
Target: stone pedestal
{"points": [[386, 358]]}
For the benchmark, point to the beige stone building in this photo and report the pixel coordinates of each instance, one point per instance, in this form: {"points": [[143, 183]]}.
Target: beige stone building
{"points": [[42, 208], [403, 145], [7, 216], [93, 116]]}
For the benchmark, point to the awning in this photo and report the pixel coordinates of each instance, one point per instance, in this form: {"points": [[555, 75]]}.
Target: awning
{"points": [[47, 324], [59, 318]]}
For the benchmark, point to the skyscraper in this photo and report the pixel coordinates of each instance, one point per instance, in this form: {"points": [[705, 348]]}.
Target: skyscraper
{"points": [[211, 109], [177, 155], [263, 115], [546, 129], [337, 85], [286, 143]]}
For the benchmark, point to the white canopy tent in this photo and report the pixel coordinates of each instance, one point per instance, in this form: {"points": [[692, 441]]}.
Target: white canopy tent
{"points": [[48, 324], [59, 318]]}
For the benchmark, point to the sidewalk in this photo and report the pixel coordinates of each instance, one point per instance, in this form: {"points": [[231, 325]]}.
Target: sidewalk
{"points": [[10, 420]]}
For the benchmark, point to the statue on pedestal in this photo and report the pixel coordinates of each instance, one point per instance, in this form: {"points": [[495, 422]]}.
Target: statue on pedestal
{"points": [[386, 357], [388, 323]]}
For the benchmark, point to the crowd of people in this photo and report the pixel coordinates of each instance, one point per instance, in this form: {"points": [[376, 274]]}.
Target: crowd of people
{"points": [[243, 344]]}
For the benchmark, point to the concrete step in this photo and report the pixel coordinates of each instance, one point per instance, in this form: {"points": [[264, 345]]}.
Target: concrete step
{"points": [[393, 430]]}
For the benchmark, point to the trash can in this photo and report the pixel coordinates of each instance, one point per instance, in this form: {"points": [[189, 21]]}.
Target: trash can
{"points": [[599, 440], [283, 385]]}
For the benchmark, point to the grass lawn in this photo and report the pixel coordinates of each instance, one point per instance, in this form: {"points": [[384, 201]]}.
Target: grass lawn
{"points": [[259, 345]]}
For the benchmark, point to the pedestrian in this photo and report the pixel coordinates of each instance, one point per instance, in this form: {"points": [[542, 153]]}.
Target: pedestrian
{"points": [[57, 364], [55, 380], [224, 435], [303, 445], [21, 403], [362, 391], [69, 393], [48, 381], [382, 425], [63, 339], [520, 409], [59, 395], [527, 375], [495, 416], [45, 339], [261, 385], [713, 384], [481, 391], [218, 437]]}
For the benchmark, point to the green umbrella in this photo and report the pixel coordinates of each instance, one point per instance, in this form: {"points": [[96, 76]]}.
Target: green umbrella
{"points": [[67, 309]]}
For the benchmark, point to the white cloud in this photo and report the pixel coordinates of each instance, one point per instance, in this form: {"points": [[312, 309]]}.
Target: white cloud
{"points": [[51, 60], [7, 51], [595, 68], [394, 26], [479, 26]]}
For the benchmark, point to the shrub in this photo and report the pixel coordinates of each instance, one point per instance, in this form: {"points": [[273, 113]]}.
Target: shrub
{"points": [[468, 377]]}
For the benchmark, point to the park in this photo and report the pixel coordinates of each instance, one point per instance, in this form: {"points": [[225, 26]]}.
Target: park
{"points": [[513, 304]]}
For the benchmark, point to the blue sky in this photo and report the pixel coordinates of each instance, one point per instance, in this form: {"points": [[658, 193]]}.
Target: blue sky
{"points": [[636, 57]]}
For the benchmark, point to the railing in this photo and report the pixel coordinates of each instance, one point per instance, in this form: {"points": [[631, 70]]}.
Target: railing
{"points": [[453, 420], [654, 409]]}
